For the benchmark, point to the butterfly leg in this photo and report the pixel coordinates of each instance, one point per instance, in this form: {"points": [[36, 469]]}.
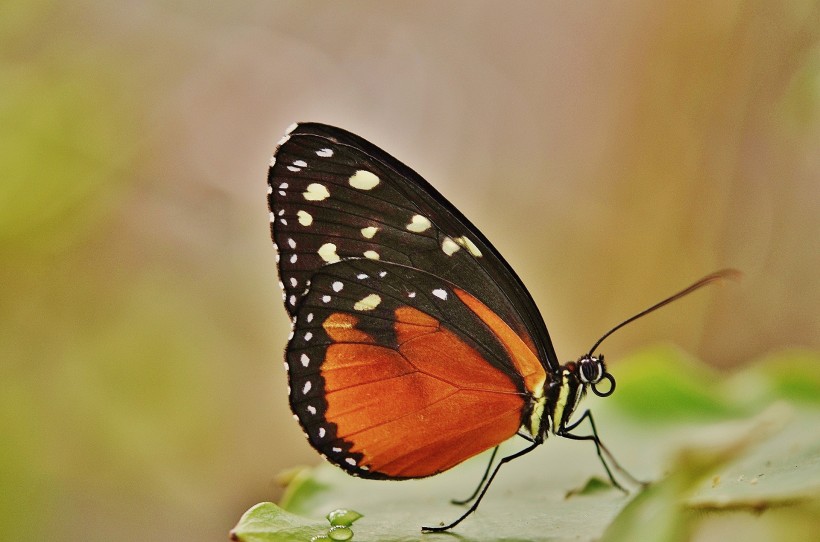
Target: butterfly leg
{"points": [[461, 502], [475, 504], [601, 450]]}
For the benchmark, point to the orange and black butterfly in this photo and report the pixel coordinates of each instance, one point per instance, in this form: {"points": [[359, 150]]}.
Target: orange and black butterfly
{"points": [[415, 345]]}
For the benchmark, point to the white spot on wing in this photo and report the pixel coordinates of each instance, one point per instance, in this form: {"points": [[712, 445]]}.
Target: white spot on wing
{"points": [[316, 192], [382, 274], [469, 245], [311, 409], [369, 232], [326, 299], [369, 303], [418, 224], [272, 161], [449, 246], [441, 294], [411, 295], [294, 168], [306, 389], [372, 254], [328, 253], [337, 286], [293, 300], [293, 282], [304, 218], [270, 190], [321, 432], [324, 153], [350, 461], [305, 360], [308, 336], [300, 163], [361, 276], [363, 180], [293, 258], [309, 317], [272, 218], [291, 243]]}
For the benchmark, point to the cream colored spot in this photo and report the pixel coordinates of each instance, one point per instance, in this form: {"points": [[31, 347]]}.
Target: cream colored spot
{"points": [[316, 192], [449, 246], [418, 224], [328, 253], [363, 180], [372, 254], [469, 245], [368, 303], [305, 219], [369, 232]]}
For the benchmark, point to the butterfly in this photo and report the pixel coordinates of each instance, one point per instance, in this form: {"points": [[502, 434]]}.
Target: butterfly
{"points": [[415, 345]]}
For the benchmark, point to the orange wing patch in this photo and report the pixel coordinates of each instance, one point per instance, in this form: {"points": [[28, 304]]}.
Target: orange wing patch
{"points": [[419, 409], [520, 352]]}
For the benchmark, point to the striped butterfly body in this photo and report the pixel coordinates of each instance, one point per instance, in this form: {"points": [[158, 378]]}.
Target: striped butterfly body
{"points": [[415, 345]]}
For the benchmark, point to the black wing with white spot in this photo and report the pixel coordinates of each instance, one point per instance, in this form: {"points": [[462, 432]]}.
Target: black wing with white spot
{"points": [[332, 196]]}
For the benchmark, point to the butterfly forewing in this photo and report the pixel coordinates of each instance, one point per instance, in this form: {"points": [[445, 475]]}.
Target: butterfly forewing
{"points": [[389, 366], [333, 196]]}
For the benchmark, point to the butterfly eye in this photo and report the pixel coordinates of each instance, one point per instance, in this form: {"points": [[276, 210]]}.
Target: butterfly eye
{"points": [[591, 369]]}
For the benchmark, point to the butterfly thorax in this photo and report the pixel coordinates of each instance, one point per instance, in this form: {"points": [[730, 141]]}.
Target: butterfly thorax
{"points": [[563, 392]]}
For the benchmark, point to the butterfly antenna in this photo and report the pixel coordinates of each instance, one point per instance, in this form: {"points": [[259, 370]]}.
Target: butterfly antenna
{"points": [[732, 274]]}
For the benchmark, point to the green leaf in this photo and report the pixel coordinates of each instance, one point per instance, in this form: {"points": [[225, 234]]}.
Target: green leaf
{"points": [[266, 522]]}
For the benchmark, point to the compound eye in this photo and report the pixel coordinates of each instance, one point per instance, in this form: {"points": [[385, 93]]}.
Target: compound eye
{"points": [[591, 371]]}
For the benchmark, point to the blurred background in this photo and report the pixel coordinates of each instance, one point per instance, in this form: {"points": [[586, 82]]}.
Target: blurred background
{"points": [[613, 156]]}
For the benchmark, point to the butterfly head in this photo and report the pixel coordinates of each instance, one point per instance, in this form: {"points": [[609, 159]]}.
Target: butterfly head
{"points": [[591, 371]]}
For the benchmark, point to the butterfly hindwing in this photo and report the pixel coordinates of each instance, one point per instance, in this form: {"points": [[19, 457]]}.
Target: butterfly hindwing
{"points": [[334, 196], [388, 366]]}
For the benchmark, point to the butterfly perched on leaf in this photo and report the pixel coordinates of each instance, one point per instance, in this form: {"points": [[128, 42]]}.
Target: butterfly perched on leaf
{"points": [[415, 346]]}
